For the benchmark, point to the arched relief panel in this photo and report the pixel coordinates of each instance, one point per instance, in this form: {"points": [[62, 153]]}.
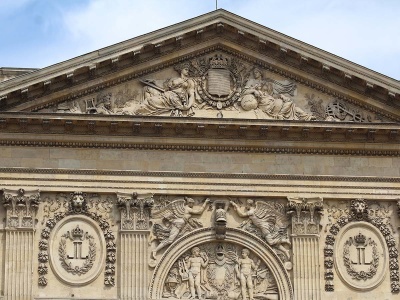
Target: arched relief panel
{"points": [[235, 238]]}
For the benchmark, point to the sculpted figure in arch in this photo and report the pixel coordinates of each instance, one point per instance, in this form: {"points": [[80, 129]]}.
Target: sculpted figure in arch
{"points": [[195, 263], [175, 96], [244, 271], [177, 216], [272, 98], [269, 219]]}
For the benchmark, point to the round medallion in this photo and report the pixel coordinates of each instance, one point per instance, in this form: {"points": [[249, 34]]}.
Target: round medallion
{"points": [[77, 250], [360, 256]]}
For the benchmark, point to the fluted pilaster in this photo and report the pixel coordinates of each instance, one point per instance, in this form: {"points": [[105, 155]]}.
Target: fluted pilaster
{"points": [[305, 238]]}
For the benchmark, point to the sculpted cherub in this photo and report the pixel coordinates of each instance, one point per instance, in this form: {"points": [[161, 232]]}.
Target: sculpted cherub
{"points": [[272, 222], [177, 217]]}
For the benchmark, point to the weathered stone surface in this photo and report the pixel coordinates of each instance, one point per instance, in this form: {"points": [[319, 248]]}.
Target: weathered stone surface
{"points": [[217, 165]]}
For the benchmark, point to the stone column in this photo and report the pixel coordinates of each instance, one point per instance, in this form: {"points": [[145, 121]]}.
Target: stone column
{"points": [[134, 234], [21, 207], [306, 214]]}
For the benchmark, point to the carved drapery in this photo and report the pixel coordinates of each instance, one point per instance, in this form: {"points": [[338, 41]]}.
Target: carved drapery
{"points": [[216, 85]]}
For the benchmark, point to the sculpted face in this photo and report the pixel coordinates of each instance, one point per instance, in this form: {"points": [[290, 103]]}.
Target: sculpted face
{"points": [[245, 253], [359, 207], [257, 74], [249, 204], [196, 251], [185, 71], [190, 202], [78, 201]]}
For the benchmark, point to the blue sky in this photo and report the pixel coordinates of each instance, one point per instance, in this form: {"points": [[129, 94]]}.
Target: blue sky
{"points": [[39, 33]]}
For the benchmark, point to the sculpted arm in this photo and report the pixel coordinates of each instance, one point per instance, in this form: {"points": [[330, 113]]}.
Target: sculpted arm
{"points": [[205, 260], [242, 213], [200, 210]]}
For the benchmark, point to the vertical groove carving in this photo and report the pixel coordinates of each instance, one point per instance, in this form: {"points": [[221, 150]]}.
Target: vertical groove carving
{"points": [[306, 268], [134, 266], [18, 265]]}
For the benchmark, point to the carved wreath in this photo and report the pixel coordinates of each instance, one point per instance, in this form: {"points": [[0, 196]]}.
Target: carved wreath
{"points": [[362, 275], [88, 264]]}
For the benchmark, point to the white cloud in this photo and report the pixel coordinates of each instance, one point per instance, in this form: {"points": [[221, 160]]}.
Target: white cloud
{"points": [[362, 31], [103, 23]]}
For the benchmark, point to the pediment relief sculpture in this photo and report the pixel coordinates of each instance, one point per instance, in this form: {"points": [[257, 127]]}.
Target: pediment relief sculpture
{"points": [[217, 86]]}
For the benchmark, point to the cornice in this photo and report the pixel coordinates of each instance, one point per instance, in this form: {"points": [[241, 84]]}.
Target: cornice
{"points": [[219, 24], [182, 183], [189, 134], [208, 175]]}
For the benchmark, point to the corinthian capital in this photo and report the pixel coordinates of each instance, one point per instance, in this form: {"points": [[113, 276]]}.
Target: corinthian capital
{"points": [[306, 215], [21, 206]]}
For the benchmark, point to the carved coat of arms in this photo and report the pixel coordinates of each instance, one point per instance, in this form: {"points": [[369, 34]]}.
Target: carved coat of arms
{"points": [[77, 251]]}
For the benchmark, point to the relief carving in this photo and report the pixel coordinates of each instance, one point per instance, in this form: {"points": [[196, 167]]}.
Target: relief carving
{"points": [[360, 248], [271, 99], [219, 271], [358, 212], [176, 218], [338, 111], [220, 219], [214, 85], [267, 220], [77, 250], [306, 215], [80, 240], [135, 210], [21, 207]]}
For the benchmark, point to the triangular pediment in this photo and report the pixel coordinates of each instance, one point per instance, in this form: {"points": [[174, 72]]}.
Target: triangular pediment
{"points": [[218, 65]]}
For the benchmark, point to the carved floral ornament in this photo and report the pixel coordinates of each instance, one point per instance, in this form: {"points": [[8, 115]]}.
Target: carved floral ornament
{"points": [[218, 85], [358, 244], [78, 244], [21, 206], [135, 210]]}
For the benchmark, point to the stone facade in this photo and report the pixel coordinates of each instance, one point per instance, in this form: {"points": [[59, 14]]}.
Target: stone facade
{"points": [[214, 159]]}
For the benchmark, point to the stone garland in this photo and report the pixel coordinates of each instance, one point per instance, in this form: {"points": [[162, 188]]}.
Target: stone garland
{"points": [[43, 256], [353, 216]]}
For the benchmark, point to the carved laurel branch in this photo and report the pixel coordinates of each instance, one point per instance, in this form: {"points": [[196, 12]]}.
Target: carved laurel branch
{"points": [[349, 266], [378, 222], [88, 264], [109, 273]]}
